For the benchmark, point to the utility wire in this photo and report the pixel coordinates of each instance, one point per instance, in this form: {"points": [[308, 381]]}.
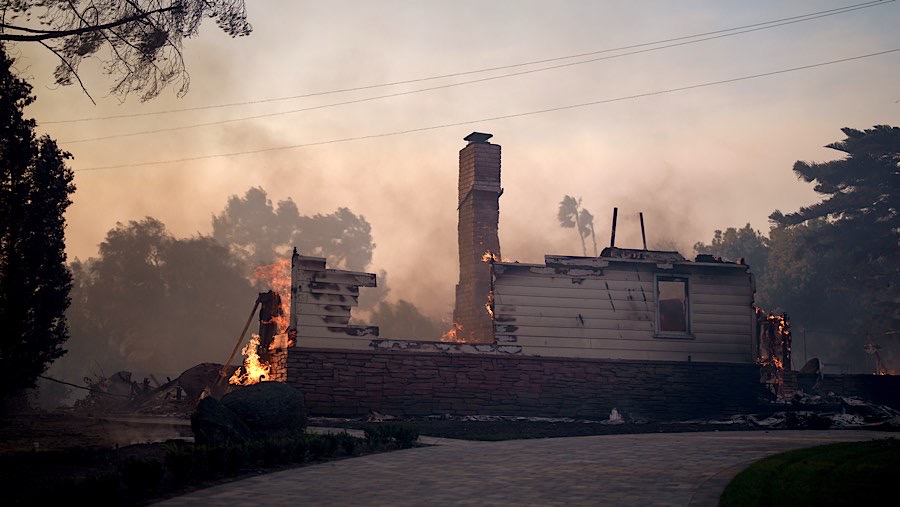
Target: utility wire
{"points": [[494, 118], [795, 19], [450, 85]]}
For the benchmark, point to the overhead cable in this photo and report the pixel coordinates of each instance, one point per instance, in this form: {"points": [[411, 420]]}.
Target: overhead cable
{"points": [[758, 26], [494, 118]]}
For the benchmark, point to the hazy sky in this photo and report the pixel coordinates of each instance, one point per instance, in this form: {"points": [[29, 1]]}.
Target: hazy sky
{"points": [[692, 160]]}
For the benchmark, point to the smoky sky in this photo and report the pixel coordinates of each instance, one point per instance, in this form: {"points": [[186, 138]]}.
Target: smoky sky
{"points": [[691, 161]]}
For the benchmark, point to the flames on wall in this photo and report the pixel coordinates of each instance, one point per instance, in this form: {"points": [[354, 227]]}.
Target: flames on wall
{"points": [[455, 333], [257, 364]]}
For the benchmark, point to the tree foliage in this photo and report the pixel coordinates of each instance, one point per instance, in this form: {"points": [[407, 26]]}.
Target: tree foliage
{"points": [[402, 320], [857, 224], [155, 303], [833, 265], [35, 185], [139, 42], [572, 215], [257, 232], [744, 243]]}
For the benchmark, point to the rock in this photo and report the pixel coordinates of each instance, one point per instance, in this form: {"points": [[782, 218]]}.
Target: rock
{"points": [[268, 408], [213, 423]]}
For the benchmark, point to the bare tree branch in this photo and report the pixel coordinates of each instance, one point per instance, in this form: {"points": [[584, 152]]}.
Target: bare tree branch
{"points": [[41, 35], [144, 37], [63, 60]]}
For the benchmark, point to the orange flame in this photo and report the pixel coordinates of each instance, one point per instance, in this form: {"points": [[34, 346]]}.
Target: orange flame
{"points": [[489, 305], [489, 256], [453, 335], [278, 277], [253, 370]]}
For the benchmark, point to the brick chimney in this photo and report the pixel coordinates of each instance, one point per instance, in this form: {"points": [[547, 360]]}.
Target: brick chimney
{"points": [[479, 214]]}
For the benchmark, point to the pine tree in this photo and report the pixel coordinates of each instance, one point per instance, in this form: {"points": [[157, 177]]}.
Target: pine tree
{"points": [[850, 239], [35, 185]]}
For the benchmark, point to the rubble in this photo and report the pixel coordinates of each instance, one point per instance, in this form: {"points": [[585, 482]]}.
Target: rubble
{"points": [[817, 412], [119, 394]]}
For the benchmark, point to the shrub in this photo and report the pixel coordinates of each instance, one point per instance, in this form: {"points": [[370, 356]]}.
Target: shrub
{"points": [[141, 476], [236, 459], [402, 435], [347, 442], [179, 462], [301, 450]]}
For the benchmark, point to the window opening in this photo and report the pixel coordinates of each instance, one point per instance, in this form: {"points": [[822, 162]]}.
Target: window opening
{"points": [[672, 305]]}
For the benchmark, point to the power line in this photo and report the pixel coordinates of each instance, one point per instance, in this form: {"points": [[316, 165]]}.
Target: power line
{"points": [[494, 118], [451, 85], [787, 20]]}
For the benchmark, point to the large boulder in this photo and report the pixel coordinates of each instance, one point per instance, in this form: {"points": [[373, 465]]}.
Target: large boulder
{"points": [[268, 408], [213, 423]]}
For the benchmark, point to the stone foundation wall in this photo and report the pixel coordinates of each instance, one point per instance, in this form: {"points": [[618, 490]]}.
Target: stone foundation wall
{"points": [[351, 383], [278, 360]]}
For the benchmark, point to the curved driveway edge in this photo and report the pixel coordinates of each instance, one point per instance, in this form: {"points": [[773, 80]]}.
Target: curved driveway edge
{"points": [[666, 469]]}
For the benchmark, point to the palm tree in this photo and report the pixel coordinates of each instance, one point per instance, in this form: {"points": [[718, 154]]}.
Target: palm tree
{"points": [[571, 215]]}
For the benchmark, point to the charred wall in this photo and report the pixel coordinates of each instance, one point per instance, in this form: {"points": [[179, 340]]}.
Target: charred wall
{"points": [[351, 383]]}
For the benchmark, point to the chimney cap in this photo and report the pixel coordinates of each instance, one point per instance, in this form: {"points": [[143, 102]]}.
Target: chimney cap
{"points": [[478, 137]]}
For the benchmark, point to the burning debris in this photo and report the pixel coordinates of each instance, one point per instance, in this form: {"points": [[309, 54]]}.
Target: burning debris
{"points": [[454, 335], [773, 339], [260, 361], [254, 369], [773, 348]]}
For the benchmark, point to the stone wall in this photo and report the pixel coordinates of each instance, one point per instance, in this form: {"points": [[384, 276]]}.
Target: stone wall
{"points": [[351, 383]]}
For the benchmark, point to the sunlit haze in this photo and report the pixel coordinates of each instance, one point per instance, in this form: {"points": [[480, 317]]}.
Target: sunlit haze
{"points": [[691, 159]]}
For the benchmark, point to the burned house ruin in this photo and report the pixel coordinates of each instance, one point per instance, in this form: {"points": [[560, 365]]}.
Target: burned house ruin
{"points": [[649, 333]]}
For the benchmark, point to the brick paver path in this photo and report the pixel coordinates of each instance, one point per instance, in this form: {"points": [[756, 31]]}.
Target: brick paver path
{"points": [[671, 469]]}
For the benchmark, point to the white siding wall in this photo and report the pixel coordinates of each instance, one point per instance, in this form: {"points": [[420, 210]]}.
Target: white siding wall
{"points": [[321, 302], [610, 312]]}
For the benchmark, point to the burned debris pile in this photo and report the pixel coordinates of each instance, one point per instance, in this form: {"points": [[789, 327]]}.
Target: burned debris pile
{"points": [[120, 394], [825, 411]]}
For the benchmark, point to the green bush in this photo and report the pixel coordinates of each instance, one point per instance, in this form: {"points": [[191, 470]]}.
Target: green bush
{"points": [[402, 435], [179, 462], [278, 451], [100, 489], [141, 476], [347, 442], [236, 459], [216, 456], [405, 435], [321, 446], [300, 451]]}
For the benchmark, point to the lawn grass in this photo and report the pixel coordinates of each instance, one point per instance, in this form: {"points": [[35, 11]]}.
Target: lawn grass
{"points": [[851, 473]]}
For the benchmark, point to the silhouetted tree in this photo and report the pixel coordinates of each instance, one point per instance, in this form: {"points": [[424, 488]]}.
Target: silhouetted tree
{"points": [[572, 215], [257, 233], [403, 320], [153, 302], [744, 243], [342, 237], [141, 39], [855, 229], [35, 185]]}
